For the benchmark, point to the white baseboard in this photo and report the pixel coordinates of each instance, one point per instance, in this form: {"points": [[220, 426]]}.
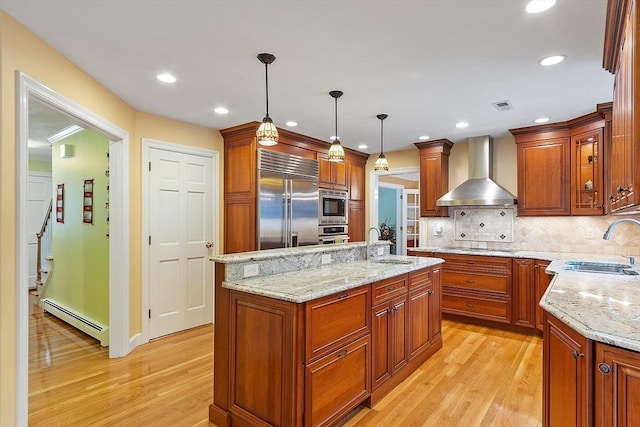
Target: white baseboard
{"points": [[77, 320], [135, 341]]}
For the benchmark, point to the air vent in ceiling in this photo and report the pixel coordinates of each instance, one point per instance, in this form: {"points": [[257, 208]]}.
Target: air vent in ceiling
{"points": [[502, 105]]}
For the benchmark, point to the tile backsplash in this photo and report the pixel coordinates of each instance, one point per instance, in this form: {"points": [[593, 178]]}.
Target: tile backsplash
{"points": [[579, 234]]}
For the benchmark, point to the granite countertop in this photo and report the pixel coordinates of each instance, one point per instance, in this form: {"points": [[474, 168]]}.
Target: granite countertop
{"points": [[306, 285], [602, 307]]}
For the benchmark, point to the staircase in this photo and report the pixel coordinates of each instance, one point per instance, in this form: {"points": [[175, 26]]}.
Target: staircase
{"points": [[44, 237]]}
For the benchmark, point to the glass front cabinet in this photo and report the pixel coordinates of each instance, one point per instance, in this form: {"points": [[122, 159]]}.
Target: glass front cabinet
{"points": [[587, 174]]}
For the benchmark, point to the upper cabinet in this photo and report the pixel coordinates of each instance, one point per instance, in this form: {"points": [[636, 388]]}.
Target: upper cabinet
{"points": [[434, 175], [240, 181], [560, 166], [621, 53]]}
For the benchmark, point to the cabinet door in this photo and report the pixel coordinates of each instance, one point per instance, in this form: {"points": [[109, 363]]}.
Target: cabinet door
{"points": [[339, 172], [587, 173], [431, 186], [399, 340], [331, 174], [356, 181], [617, 387], [542, 283], [240, 233], [524, 310], [389, 339], [544, 177], [567, 361], [356, 221], [337, 383], [419, 321]]}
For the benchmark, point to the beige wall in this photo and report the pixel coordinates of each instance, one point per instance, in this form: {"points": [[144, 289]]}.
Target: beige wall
{"points": [[22, 50]]}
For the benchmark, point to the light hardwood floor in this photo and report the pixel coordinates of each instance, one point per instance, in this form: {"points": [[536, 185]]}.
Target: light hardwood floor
{"points": [[481, 377]]}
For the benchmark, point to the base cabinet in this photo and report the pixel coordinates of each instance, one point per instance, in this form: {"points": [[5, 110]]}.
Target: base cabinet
{"points": [[617, 387]]}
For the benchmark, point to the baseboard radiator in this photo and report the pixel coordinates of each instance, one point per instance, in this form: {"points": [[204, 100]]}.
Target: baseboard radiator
{"points": [[78, 321]]}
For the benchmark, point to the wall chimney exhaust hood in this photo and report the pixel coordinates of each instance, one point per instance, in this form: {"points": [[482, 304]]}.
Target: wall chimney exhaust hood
{"points": [[479, 189]]}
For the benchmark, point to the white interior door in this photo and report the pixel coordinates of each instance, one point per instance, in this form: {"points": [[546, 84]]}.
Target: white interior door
{"points": [[38, 198], [181, 231]]}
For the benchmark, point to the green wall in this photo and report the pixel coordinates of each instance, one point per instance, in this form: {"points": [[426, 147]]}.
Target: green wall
{"points": [[81, 251], [39, 166]]}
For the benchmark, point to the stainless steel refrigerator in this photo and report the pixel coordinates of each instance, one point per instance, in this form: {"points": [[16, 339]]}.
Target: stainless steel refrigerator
{"points": [[287, 200]]}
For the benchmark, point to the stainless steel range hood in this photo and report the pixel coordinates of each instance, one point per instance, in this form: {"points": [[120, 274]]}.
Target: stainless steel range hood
{"points": [[479, 189]]}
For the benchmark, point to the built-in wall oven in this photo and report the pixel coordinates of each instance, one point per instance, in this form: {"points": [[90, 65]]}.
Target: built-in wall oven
{"points": [[333, 207], [328, 234]]}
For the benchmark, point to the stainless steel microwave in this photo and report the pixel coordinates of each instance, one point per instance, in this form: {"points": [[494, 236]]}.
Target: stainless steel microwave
{"points": [[333, 207]]}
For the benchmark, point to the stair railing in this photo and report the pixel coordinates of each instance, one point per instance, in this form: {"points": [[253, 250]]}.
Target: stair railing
{"points": [[43, 235]]}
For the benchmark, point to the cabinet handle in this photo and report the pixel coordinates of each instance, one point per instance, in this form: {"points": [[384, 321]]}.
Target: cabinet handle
{"points": [[471, 262], [470, 281], [429, 292], [469, 304], [575, 354], [342, 354], [343, 296], [604, 368], [390, 287]]}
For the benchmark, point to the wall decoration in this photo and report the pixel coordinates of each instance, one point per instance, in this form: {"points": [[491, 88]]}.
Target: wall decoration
{"points": [[87, 203], [60, 203]]}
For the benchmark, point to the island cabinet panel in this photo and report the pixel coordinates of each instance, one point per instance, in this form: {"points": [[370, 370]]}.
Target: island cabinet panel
{"points": [[617, 387], [389, 288], [264, 361], [337, 383], [335, 320], [524, 305], [542, 282], [435, 305], [477, 286], [567, 376]]}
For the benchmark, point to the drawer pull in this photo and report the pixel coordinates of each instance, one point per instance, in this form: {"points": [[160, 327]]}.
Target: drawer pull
{"points": [[575, 354], [469, 304], [429, 292], [342, 354], [390, 287], [471, 262], [470, 281], [343, 296]]}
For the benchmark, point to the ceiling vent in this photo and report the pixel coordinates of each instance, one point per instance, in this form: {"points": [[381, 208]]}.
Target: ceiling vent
{"points": [[502, 105]]}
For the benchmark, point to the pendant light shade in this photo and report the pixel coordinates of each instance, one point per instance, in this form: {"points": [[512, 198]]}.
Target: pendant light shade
{"points": [[381, 164], [267, 133], [336, 152]]}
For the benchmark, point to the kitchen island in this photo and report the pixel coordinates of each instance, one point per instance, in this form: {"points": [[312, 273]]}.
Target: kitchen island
{"points": [[305, 335]]}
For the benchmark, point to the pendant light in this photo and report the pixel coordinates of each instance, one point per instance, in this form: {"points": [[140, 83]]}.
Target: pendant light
{"points": [[267, 134], [381, 164], [336, 152]]}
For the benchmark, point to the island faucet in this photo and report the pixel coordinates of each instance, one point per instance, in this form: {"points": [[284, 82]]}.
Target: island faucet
{"points": [[614, 224], [366, 254]]}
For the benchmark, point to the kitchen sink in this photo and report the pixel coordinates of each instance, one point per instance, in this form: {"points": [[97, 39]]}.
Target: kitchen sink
{"points": [[599, 267], [391, 261]]}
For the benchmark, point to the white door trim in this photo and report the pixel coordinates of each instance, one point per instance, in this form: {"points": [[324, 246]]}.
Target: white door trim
{"points": [[373, 189], [147, 145], [118, 224]]}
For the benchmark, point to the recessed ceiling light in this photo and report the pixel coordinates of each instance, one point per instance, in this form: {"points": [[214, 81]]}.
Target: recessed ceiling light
{"points": [[537, 6], [363, 146], [542, 120], [166, 78], [424, 137], [461, 125], [221, 110], [552, 60], [291, 124]]}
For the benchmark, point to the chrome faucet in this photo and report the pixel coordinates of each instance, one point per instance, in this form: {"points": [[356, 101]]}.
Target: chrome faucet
{"points": [[366, 254], [614, 224]]}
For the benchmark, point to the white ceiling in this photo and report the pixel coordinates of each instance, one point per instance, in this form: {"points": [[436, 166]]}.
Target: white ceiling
{"points": [[426, 63]]}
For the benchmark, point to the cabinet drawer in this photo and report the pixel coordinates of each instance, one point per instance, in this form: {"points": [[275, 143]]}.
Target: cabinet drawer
{"points": [[337, 383], [389, 288], [496, 309], [476, 263], [336, 319], [477, 282], [420, 278]]}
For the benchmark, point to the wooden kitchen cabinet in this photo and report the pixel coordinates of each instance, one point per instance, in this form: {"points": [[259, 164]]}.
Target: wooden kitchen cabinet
{"points": [[621, 53], [567, 376], [434, 176], [524, 302], [241, 185], [389, 337], [542, 282], [561, 165], [331, 174], [424, 311], [477, 286], [617, 386]]}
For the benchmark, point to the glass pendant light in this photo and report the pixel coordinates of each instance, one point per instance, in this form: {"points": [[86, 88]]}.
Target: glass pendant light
{"points": [[336, 152], [381, 164], [267, 133]]}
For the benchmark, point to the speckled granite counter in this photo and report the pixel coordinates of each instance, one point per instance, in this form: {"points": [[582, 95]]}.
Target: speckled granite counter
{"points": [[306, 273], [601, 307]]}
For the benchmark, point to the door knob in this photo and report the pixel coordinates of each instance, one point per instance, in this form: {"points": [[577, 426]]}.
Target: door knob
{"points": [[209, 245]]}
